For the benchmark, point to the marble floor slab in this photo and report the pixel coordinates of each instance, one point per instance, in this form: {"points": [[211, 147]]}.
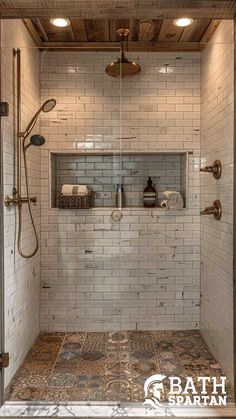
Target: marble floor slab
{"points": [[95, 367], [104, 410]]}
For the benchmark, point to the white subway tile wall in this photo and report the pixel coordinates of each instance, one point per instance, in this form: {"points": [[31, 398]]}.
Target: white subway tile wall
{"points": [[21, 276], [217, 142], [144, 271]]}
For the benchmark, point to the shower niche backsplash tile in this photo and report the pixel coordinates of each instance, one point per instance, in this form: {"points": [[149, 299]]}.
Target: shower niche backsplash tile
{"points": [[103, 172]]}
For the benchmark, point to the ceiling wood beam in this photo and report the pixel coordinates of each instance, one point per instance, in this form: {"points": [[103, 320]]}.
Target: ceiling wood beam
{"points": [[97, 30], [199, 30], [187, 32], [158, 25], [33, 32], [169, 32], [41, 29], [79, 30], [72, 33], [132, 46], [126, 9], [133, 36], [210, 30]]}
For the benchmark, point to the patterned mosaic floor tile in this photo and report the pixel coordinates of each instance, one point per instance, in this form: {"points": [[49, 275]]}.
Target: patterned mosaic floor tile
{"points": [[107, 366]]}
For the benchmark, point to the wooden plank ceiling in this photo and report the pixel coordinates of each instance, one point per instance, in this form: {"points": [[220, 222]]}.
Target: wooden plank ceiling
{"points": [[110, 9], [145, 34]]}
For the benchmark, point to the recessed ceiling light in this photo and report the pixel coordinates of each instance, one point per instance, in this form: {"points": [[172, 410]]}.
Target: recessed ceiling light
{"points": [[183, 21], [61, 22]]}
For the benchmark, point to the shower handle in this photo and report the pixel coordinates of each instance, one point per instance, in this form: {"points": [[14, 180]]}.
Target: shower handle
{"points": [[215, 169], [215, 210], [13, 200]]}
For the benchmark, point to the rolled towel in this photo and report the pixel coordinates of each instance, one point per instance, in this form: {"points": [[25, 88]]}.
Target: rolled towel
{"points": [[164, 203], [74, 190], [171, 194], [175, 199]]}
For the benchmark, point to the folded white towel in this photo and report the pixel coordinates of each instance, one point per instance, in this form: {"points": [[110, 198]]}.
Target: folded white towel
{"points": [[175, 199], [74, 190]]}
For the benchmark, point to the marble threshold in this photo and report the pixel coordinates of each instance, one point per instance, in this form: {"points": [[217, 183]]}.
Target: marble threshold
{"points": [[109, 410]]}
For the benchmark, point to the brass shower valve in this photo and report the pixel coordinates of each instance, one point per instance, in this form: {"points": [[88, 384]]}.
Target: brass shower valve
{"points": [[215, 210], [14, 200], [215, 169]]}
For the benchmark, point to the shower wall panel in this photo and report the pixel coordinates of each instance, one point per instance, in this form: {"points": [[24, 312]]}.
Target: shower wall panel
{"points": [[21, 276], [217, 142], [143, 272]]}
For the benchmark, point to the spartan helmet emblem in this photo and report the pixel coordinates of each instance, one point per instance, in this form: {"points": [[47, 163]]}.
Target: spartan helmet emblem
{"points": [[154, 389]]}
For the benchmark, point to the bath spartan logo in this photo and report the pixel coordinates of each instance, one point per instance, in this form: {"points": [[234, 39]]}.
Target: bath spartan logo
{"points": [[163, 392]]}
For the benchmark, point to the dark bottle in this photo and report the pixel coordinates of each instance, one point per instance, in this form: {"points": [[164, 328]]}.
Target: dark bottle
{"points": [[149, 195]]}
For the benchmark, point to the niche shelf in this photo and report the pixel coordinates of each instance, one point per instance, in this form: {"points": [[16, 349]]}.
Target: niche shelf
{"points": [[101, 172]]}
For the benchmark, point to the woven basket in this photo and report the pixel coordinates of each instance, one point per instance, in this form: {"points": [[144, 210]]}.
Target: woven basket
{"points": [[75, 201]]}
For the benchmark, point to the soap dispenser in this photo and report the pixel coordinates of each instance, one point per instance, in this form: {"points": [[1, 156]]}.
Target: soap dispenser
{"points": [[149, 194]]}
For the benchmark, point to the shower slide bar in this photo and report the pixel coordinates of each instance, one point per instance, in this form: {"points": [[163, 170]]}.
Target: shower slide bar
{"points": [[21, 147]]}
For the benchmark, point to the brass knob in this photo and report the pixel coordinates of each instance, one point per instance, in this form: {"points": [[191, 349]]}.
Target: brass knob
{"points": [[215, 169], [9, 201], [215, 210]]}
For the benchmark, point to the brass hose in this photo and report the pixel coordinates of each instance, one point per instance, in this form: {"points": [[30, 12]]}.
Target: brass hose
{"points": [[30, 255]]}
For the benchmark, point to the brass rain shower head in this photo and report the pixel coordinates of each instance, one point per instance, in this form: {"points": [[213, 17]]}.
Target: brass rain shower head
{"points": [[123, 67]]}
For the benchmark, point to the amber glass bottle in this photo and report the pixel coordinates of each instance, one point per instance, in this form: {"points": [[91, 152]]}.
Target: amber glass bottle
{"points": [[149, 195]]}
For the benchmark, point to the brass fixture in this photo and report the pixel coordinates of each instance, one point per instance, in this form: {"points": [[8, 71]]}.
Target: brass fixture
{"points": [[123, 67], [14, 200], [21, 147], [215, 210], [116, 215], [215, 169]]}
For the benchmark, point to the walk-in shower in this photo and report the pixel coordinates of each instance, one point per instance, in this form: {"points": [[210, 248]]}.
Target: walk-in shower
{"points": [[21, 146], [118, 292]]}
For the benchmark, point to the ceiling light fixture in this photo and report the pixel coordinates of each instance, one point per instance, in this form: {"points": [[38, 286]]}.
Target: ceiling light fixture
{"points": [[61, 22], [183, 22]]}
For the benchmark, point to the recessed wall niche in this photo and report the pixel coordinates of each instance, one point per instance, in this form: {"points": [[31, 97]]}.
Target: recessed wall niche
{"points": [[101, 172]]}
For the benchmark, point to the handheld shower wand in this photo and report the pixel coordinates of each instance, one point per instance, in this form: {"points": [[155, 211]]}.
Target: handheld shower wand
{"points": [[36, 140]]}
